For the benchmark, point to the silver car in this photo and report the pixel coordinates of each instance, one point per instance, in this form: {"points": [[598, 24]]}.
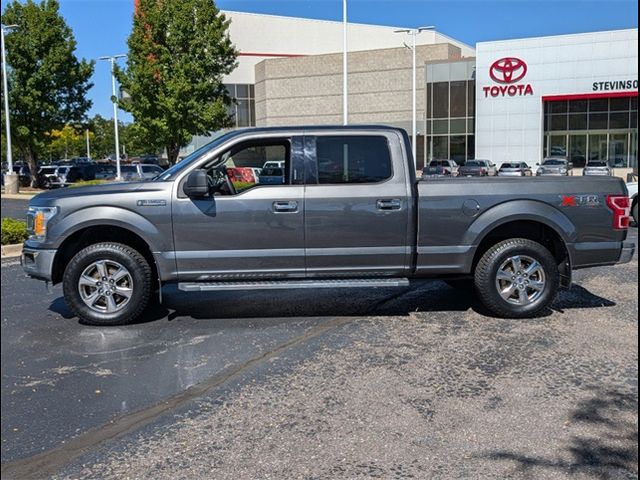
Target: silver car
{"points": [[515, 169], [555, 166], [597, 168], [140, 171]]}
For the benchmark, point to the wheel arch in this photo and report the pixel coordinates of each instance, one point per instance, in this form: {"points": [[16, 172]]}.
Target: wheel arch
{"points": [[92, 234], [532, 220]]}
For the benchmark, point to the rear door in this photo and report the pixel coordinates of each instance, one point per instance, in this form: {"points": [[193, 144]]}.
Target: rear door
{"points": [[357, 212]]}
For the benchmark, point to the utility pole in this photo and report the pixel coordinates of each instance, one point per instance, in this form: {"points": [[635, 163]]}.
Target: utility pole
{"points": [[114, 98], [414, 129], [345, 99], [86, 131]]}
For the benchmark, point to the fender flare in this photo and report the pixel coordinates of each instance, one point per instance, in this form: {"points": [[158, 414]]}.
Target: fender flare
{"points": [[521, 210], [109, 216]]}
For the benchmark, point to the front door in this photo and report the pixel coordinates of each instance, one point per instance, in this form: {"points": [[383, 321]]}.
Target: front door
{"points": [[357, 210], [251, 225]]}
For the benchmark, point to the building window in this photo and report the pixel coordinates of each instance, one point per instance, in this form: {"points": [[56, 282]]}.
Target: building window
{"points": [[242, 111], [450, 110], [598, 129]]}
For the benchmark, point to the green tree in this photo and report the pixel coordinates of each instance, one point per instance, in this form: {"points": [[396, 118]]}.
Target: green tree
{"points": [[179, 51], [47, 83]]}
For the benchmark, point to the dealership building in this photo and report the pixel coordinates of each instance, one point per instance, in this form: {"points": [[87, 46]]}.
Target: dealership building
{"points": [[509, 100]]}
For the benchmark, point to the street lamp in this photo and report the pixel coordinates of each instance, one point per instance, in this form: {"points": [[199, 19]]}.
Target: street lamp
{"points": [[112, 59], [345, 102], [413, 32], [5, 88]]}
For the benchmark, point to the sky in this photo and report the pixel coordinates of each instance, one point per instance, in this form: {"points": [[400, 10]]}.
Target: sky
{"points": [[101, 27]]}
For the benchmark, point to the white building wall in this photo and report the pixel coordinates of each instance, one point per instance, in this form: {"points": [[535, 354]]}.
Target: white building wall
{"points": [[510, 128], [284, 36]]}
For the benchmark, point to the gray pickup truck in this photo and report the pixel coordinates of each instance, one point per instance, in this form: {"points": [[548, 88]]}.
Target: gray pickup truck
{"points": [[347, 212]]}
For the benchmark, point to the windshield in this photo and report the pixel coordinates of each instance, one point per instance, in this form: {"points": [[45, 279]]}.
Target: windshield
{"points": [[474, 163], [48, 170], [170, 173], [510, 165], [597, 164], [554, 162]]}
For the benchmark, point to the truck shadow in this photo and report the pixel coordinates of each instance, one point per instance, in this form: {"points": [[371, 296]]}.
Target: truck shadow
{"points": [[602, 443], [422, 296]]}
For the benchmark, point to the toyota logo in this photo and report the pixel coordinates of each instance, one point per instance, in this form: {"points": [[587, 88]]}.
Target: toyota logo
{"points": [[508, 70]]}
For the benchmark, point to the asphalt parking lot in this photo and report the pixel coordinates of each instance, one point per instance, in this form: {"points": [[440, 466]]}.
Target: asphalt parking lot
{"points": [[408, 383]]}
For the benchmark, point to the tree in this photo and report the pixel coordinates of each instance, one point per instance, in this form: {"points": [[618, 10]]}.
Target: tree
{"points": [[179, 51], [47, 83], [68, 140], [131, 138]]}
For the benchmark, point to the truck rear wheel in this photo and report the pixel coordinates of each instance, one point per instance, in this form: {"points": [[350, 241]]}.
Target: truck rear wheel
{"points": [[517, 278], [107, 284]]}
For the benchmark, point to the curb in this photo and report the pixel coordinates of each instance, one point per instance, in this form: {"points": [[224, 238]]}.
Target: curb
{"points": [[9, 251], [18, 196]]}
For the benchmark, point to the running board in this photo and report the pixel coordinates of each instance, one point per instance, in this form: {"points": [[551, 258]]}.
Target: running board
{"points": [[288, 284]]}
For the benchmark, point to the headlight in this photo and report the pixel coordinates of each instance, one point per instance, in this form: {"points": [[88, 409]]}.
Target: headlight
{"points": [[563, 170], [37, 220]]}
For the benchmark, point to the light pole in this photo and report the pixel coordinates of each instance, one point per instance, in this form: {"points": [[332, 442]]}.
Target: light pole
{"points": [[414, 33], [345, 101], [5, 88], [86, 133], [112, 59]]}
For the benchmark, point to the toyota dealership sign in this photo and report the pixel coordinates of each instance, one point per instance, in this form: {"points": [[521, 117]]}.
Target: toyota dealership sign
{"points": [[507, 72]]}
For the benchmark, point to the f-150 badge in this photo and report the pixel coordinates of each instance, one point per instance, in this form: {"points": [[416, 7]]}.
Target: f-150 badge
{"points": [[579, 200]]}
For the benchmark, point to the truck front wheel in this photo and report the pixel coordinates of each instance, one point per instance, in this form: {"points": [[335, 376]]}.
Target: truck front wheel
{"points": [[517, 278], [107, 284]]}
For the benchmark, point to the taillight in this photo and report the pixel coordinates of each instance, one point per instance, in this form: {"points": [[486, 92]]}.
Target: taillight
{"points": [[483, 171], [621, 207]]}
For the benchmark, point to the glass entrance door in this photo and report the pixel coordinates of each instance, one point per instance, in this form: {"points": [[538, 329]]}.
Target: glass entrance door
{"points": [[578, 150], [618, 143]]}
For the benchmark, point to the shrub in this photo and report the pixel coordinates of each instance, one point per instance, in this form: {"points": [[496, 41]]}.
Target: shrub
{"points": [[13, 231]]}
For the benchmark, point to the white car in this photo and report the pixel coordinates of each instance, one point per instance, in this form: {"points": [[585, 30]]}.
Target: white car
{"points": [[273, 164], [633, 196]]}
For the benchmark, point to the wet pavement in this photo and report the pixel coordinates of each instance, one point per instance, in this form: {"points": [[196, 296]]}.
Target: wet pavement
{"points": [[17, 209], [325, 384]]}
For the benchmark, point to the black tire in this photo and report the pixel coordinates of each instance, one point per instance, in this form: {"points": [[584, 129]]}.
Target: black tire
{"points": [[139, 273], [634, 213], [486, 273]]}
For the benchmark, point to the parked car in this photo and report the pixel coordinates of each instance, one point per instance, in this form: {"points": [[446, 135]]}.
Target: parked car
{"points": [[59, 175], [556, 166], [112, 245], [515, 169], [273, 164], [105, 171], [597, 167], [271, 176], [24, 175], [441, 168], [478, 168], [139, 171]]}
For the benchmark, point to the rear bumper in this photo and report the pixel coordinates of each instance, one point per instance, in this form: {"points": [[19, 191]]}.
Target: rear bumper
{"points": [[597, 254], [627, 253], [38, 263]]}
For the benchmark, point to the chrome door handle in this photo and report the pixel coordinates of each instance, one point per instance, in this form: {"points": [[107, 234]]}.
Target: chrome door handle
{"points": [[285, 207], [389, 204]]}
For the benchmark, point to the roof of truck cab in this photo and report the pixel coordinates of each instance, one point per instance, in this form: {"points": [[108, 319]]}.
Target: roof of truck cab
{"points": [[315, 127]]}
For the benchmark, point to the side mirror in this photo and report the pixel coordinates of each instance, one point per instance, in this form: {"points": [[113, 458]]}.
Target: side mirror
{"points": [[537, 164], [197, 185]]}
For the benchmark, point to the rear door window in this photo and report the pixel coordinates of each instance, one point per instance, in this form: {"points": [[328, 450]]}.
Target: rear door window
{"points": [[352, 159]]}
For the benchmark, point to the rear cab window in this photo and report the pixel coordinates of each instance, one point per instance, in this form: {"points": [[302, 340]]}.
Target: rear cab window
{"points": [[352, 159]]}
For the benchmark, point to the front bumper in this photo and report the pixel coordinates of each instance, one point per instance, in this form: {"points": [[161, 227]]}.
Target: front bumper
{"points": [[628, 250], [38, 263]]}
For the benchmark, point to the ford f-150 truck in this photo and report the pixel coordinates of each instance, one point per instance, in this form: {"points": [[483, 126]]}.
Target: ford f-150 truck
{"points": [[348, 211]]}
